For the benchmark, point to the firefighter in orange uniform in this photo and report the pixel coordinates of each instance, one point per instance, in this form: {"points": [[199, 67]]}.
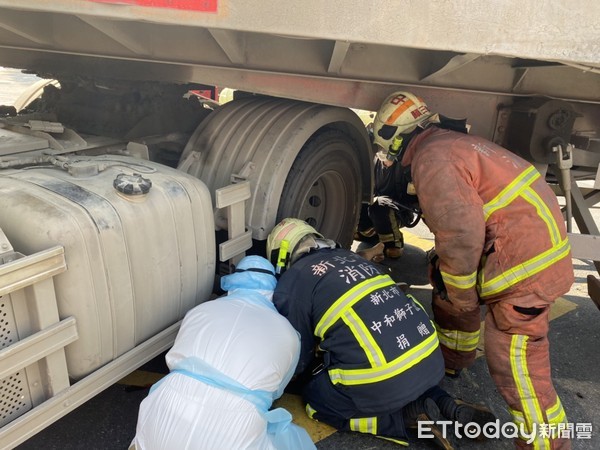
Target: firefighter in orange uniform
{"points": [[500, 240]]}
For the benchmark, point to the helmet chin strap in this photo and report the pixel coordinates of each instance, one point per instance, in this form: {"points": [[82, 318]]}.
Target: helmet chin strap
{"points": [[404, 140], [282, 257]]}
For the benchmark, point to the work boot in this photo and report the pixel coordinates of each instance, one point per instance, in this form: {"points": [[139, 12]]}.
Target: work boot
{"points": [[425, 409], [473, 412], [464, 413], [393, 252], [394, 249], [452, 373], [394, 245], [374, 253]]}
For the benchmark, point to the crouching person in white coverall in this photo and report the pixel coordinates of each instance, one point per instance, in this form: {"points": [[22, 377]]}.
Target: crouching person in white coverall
{"points": [[232, 357]]}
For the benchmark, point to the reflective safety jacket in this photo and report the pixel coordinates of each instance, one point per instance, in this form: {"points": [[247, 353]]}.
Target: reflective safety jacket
{"points": [[498, 228], [380, 347]]}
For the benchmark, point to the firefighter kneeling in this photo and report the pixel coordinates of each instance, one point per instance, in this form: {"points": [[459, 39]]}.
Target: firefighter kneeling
{"points": [[369, 353]]}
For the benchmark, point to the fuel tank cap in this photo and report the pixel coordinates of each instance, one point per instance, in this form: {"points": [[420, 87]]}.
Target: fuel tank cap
{"points": [[133, 184]]}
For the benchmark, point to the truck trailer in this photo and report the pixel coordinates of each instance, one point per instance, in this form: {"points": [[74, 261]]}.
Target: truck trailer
{"points": [[126, 191]]}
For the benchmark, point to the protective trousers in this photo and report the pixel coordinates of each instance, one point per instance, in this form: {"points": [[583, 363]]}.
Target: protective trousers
{"points": [[387, 225], [458, 332], [517, 353], [329, 405]]}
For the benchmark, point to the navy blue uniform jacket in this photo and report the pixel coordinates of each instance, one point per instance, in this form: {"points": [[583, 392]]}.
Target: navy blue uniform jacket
{"points": [[379, 344]]}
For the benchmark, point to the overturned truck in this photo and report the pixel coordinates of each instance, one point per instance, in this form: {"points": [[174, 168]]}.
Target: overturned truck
{"points": [[125, 191]]}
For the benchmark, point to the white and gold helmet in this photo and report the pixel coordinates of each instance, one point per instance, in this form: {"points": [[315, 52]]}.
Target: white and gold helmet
{"points": [[399, 114], [283, 241]]}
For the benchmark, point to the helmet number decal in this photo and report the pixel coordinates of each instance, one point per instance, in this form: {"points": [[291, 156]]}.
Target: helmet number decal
{"points": [[398, 99], [420, 111]]}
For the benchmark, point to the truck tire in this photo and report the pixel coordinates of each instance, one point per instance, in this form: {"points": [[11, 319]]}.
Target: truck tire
{"points": [[301, 159], [324, 186]]}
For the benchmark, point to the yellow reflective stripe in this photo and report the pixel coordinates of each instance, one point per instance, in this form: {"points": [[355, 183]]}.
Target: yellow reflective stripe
{"points": [[310, 411], [510, 192], [364, 337], [415, 300], [519, 420], [463, 341], [528, 268], [556, 414], [560, 248], [517, 416], [420, 306], [460, 281], [364, 425], [396, 441], [351, 377], [347, 300], [387, 237], [532, 412], [544, 212], [369, 425]]}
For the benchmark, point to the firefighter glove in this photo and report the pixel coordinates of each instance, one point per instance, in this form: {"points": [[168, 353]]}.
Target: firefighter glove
{"points": [[384, 200]]}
